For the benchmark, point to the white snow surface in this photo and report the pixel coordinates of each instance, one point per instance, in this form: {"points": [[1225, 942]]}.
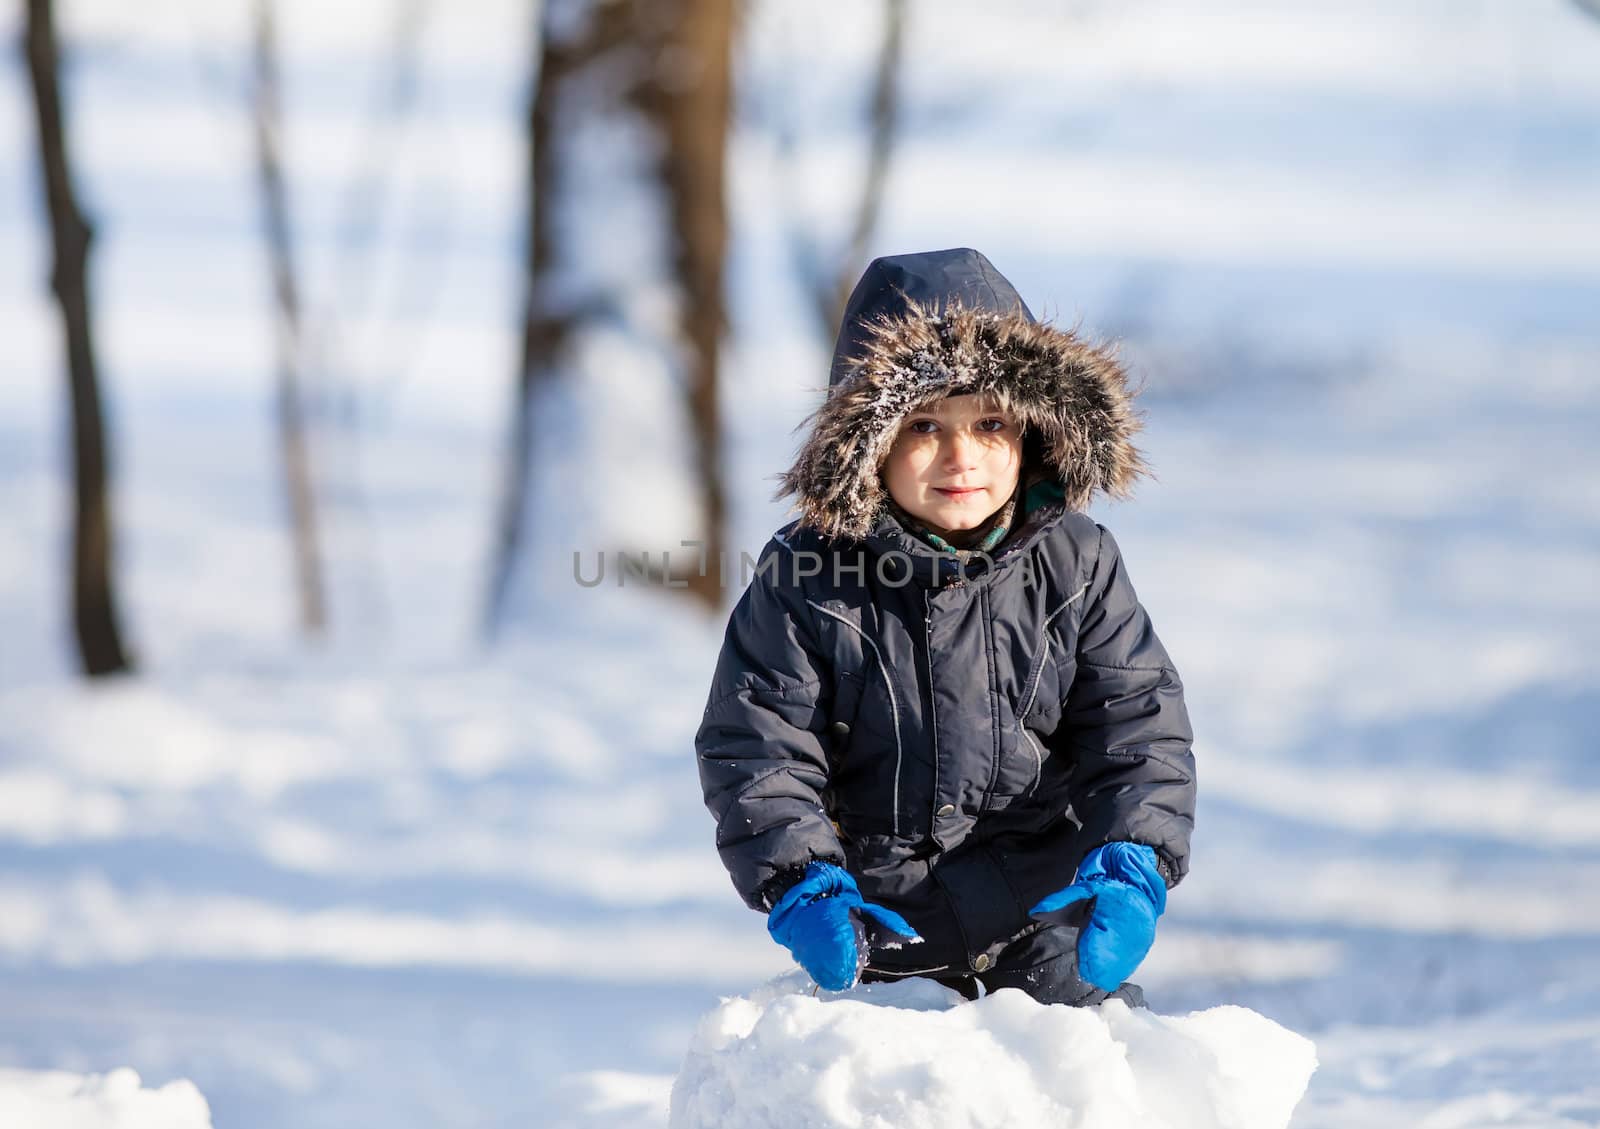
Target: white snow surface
{"points": [[916, 1053], [402, 879], [58, 1099]]}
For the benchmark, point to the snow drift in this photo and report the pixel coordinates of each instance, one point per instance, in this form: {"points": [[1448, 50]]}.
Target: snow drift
{"points": [[913, 1053], [57, 1099]]}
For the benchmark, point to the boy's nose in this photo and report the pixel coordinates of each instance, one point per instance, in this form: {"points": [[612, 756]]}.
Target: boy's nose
{"points": [[960, 449]]}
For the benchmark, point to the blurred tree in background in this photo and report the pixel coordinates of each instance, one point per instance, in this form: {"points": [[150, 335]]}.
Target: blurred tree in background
{"points": [[94, 604], [267, 116], [630, 101], [829, 273], [662, 71]]}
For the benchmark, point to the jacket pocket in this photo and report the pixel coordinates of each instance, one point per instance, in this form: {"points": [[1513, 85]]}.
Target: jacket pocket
{"points": [[1037, 718], [1029, 719], [838, 731], [842, 712]]}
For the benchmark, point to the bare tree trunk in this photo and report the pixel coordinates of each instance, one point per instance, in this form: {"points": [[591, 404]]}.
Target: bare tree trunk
{"points": [[669, 62], [298, 483], [94, 609], [691, 98], [543, 329]]}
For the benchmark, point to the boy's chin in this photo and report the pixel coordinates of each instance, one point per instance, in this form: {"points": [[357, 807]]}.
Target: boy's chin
{"points": [[956, 518]]}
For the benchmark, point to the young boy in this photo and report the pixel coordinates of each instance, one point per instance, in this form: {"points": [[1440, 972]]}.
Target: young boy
{"points": [[942, 738]]}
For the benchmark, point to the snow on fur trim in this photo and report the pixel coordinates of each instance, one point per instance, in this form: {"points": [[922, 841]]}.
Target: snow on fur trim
{"points": [[1072, 393]]}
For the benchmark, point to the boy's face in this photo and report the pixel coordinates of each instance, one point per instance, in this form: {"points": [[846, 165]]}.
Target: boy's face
{"points": [[954, 462]]}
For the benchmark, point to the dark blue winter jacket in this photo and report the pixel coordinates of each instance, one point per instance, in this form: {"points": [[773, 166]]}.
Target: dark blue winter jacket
{"points": [[956, 735]]}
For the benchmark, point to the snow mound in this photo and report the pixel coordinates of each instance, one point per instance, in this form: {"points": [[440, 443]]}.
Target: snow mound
{"points": [[914, 1053], [57, 1099]]}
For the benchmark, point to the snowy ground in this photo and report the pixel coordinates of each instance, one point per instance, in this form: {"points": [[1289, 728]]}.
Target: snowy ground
{"points": [[916, 1053], [406, 881]]}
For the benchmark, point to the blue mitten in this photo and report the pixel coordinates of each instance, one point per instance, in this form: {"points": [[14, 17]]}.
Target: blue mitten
{"points": [[824, 923], [1125, 894]]}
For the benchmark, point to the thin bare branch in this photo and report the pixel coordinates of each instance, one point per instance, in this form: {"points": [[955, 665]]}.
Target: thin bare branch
{"points": [[276, 228]]}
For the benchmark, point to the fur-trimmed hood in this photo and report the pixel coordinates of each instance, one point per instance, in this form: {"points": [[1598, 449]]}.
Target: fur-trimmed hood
{"points": [[939, 323]]}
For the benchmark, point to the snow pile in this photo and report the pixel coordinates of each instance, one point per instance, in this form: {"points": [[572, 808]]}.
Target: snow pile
{"points": [[914, 1053], [56, 1099]]}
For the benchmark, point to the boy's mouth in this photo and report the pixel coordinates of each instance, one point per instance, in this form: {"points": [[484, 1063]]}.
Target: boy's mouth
{"points": [[959, 492]]}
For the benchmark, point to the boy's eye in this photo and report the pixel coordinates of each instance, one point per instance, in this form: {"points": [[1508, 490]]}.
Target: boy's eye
{"points": [[923, 426], [992, 424]]}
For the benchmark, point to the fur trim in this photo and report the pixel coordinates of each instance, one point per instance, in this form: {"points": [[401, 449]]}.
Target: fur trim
{"points": [[1071, 393]]}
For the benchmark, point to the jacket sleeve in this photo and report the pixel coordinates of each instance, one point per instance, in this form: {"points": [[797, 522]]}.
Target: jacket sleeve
{"points": [[759, 747], [1134, 777]]}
